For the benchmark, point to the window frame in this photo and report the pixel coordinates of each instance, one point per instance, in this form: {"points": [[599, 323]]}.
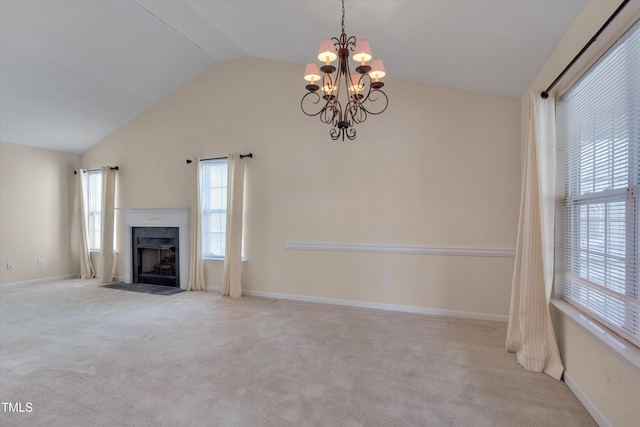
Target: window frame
{"points": [[617, 309], [206, 210], [94, 209]]}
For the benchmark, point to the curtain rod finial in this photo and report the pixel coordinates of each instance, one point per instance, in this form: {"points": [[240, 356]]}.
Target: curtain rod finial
{"points": [[544, 95]]}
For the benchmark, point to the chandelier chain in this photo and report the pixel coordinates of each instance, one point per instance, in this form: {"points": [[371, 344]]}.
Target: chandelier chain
{"points": [[342, 16]]}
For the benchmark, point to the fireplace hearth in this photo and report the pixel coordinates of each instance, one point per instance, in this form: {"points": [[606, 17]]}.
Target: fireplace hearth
{"points": [[155, 250]]}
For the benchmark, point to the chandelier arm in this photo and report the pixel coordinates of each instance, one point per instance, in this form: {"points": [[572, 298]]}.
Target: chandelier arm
{"points": [[331, 114], [357, 113], [360, 115], [328, 114], [328, 82], [356, 98], [337, 133], [312, 101], [350, 43], [371, 99], [351, 134]]}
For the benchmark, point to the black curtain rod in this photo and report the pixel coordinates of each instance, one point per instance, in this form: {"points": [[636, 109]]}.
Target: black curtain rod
{"points": [[545, 94], [242, 156], [114, 168]]}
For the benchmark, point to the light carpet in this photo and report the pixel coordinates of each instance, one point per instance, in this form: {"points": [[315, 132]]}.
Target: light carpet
{"points": [[83, 355]]}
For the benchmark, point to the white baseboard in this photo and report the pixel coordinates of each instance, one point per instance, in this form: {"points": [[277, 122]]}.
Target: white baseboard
{"points": [[321, 300], [39, 281], [374, 305], [589, 406]]}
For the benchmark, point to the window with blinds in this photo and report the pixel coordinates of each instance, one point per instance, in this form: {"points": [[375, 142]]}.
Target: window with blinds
{"points": [[213, 203], [599, 129]]}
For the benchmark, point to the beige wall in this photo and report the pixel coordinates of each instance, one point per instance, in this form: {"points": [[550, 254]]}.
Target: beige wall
{"points": [[608, 385], [611, 384], [440, 167], [36, 202]]}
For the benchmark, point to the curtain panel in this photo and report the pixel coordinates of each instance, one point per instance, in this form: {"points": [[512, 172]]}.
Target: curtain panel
{"points": [[530, 332], [107, 223], [233, 249], [196, 267], [86, 267]]}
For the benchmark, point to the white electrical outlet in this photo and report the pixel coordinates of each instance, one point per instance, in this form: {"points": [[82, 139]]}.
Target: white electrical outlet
{"points": [[41, 263], [10, 266], [385, 281]]}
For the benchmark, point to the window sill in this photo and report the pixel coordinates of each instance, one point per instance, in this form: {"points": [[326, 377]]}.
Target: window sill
{"points": [[623, 348]]}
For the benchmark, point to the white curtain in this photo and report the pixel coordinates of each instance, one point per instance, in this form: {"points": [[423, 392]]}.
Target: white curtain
{"points": [[530, 332], [86, 267], [107, 223], [196, 269], [233, 250]]}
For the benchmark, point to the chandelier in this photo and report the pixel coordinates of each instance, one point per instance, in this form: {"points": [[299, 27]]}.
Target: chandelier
{"points": [[361, 90]]}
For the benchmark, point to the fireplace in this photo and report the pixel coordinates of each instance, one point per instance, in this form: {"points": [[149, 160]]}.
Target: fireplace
{"points": [[155, 251], [156, 246]]}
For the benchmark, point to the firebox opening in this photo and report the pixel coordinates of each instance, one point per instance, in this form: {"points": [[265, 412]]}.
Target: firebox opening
{"points": [[155, 255]]}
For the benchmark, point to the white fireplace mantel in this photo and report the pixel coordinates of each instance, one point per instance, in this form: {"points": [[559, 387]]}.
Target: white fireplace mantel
{"points": [[158, 217]]}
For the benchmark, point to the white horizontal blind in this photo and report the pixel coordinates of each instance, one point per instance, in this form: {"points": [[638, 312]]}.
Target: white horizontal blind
{"points": [[94, 208], [213, 197], [599, 127]]}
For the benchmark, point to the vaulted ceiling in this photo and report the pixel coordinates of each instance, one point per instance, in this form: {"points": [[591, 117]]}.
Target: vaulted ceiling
{"points": [[72, 72]]}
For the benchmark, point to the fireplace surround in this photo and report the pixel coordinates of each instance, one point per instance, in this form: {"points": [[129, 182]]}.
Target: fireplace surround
{"points": [[160, 218]]}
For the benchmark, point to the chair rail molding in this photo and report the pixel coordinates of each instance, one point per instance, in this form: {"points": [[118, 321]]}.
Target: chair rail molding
{"points": [[399, 249]]}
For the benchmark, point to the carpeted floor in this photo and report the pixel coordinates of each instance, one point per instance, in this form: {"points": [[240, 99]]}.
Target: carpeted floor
{"points": [[84, 355]]}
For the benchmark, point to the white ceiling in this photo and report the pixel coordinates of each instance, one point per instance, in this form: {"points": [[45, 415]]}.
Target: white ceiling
{"points": [[72, 72]]}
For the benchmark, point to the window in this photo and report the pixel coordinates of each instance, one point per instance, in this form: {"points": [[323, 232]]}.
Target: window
{"points": [[94, 207], [213, 199], [599, 129]]}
